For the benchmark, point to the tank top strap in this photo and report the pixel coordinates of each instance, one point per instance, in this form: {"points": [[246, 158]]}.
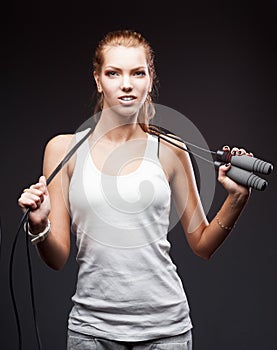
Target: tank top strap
{"points": [[80, 134], [153, 144], [151, 151], [83, 150]]}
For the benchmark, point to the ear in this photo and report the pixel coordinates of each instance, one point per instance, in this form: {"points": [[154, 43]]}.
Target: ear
{"points": [[97, 81]]}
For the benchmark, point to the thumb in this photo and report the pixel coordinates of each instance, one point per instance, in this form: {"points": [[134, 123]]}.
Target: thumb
{"points": [[42, 180], [222, 175], [222, 170]]}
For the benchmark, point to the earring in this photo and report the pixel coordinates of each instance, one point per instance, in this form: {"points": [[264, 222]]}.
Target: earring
{"points": [[148, 98], [101, 101]]}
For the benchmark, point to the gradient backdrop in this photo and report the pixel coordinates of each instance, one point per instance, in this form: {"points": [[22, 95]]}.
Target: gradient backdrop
{"points": [[216, 63]]}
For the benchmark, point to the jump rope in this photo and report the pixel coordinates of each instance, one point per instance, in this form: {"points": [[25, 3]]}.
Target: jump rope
{"points": [[242, 171]]}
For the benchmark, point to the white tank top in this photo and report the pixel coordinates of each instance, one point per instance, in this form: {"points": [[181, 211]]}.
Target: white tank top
{"points": [[128, 288]]}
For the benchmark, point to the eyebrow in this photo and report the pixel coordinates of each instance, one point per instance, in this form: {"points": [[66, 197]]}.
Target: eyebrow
{"points": [[133, 69]]}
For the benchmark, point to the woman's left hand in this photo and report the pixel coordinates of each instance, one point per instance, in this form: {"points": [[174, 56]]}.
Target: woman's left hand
{"points": [[230, 185]]}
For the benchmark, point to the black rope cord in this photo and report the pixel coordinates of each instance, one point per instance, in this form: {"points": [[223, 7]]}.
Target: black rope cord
{"points": [[24, 220], [160, 132]]}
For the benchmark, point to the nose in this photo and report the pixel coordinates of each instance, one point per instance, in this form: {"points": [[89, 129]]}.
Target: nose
{"points": [[126, 84]]}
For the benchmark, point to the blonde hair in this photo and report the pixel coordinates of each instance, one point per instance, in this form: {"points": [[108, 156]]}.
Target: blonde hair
{"points": [[128, 38]]}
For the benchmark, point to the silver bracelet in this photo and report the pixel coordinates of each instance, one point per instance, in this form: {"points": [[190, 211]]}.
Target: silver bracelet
{"points": [[40, 236], [227, 228]]}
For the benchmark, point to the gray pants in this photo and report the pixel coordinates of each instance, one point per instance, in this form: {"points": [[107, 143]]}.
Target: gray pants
{"points": [[77, 341]]}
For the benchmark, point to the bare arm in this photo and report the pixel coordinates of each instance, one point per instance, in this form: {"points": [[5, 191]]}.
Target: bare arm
{"points": [[51, 202], [205, 237]]}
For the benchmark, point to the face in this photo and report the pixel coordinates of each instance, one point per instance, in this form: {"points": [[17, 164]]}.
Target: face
{"points": [[124, 79]]}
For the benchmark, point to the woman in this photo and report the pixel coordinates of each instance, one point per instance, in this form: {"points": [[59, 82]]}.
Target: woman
{"points": [[115, 194]]}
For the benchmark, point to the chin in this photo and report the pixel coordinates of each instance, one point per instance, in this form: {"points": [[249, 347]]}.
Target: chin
{"points": [[130, 111]]}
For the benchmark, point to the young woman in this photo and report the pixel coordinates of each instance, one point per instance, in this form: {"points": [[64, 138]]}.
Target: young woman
{"points": [[115, 195]]}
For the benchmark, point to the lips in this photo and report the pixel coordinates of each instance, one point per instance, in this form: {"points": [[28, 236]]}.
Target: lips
{"points": [[127, 98]]}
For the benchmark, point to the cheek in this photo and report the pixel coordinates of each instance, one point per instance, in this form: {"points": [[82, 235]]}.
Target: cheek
{"points": [[144, 87], [145, 92], [110, 87]]}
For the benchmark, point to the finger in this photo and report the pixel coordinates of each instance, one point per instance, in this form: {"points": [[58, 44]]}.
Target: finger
{"points": [[234, 151], [226, 148], [241, 152], [41, 185], [32, 196], [222, 170], [26, 202], [38, 185], [42, 179], [225, 167], [33, 191]]}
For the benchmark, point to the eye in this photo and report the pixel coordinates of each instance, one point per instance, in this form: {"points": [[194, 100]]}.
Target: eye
{"points": [[111, 73], [140, 73]]}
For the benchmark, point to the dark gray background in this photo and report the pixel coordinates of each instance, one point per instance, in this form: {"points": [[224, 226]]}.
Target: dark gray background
{"points": [[216, 62]]}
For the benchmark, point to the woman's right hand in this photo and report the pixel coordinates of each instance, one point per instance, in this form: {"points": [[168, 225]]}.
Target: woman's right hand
{"points": [[36, 197]]}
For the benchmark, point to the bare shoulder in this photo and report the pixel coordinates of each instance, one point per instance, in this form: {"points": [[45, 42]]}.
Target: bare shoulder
{"points": [[177, 147], [59, 144], [55, 150], [173, 156]]}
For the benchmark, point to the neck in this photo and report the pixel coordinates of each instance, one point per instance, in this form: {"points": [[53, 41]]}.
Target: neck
{"points": [[117, 129]]}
